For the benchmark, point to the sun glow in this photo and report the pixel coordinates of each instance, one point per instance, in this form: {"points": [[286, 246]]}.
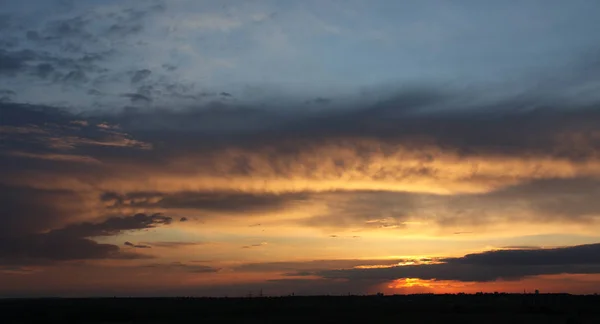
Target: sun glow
{"points": [[416, 285]]}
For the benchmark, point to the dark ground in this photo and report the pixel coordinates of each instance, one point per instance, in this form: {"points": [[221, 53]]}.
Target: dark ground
{"points": [[480, 308]]}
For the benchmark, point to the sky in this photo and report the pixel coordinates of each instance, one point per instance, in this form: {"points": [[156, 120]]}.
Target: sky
{"points": [[229, 148]]}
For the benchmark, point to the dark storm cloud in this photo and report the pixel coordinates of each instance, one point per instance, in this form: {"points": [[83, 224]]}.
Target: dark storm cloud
{"points": [[22, 114], [26, 210], [73, 242], [482, 131], [32, 221], [414, 117], [582, 254], [115, 225], [217, 201], [496, 130], [487, 266], [42, 247], [41, 130]]}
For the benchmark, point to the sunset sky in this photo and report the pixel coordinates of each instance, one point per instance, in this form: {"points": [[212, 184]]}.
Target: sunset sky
{"points": [[221, 148]]}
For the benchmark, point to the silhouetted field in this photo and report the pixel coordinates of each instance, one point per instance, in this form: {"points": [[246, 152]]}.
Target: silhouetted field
{"points": [[481, 308]]}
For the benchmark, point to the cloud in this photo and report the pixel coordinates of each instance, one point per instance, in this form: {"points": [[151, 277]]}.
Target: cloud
{"points": [[543, 201], [18, 270], [69, 28], [183, 267], [373, 166], [7, 92], [313, 265], [6, 95], [382, 148], [124, 29], [40, 129], [251, 246], [73, 242], [74, 52], [43, 70], [55, 247], [55, 157], [216, 201], [137, 98], [511, 264], [172, 244], [27, 210], [138, 246], [115, 225], [12, 62], [382, 182], [572, 255], [521, 247], [140, 75], [21, 64], [75, 77]]}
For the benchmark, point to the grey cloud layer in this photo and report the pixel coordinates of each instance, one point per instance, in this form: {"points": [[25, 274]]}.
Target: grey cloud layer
{"points": [[97, 146], [551, 200], [487, 266], [238, 202], [47, 139], [307, 267], [547, 200]]}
